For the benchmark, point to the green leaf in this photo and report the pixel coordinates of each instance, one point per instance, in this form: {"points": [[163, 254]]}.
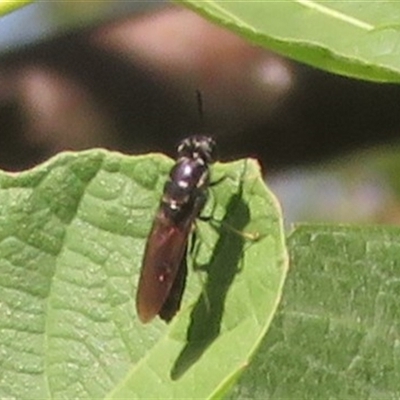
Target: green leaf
{"points": [[353, 38], [336, 334], [6, 6], [72, 235]]}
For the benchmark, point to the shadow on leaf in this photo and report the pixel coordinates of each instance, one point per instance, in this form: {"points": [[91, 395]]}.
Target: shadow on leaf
{"points": [[205, 320]]}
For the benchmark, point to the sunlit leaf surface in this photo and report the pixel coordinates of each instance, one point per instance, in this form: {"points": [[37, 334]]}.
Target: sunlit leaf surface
{"points": [[72, 234], [337, 330]]}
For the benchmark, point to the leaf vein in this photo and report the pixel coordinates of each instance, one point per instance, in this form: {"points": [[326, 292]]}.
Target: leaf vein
{"points": [[335, 14]]}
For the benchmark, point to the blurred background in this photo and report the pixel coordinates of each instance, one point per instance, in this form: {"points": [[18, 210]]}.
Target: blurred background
{"points": [[124, 75]]}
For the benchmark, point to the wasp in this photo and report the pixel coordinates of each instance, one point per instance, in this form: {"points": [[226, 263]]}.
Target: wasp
{"points": [[164, 269]]}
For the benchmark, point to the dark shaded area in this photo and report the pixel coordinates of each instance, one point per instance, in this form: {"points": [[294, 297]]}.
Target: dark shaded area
{"points": [[15, 152], [330, 115], [323, 116], [326, 116], [140, 107], [205, 324]]}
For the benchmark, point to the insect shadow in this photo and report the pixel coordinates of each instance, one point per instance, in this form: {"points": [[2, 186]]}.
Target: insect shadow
{"points": [[206, 316]]}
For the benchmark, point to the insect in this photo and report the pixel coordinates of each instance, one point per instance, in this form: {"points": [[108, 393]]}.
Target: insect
{"points": [[163, 275]]}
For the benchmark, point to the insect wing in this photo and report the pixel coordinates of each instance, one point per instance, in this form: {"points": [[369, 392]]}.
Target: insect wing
{"points": [[164, 252], [172, 303]]}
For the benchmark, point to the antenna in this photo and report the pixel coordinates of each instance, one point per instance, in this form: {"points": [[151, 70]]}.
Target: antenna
{"points": [[200, 109]]}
